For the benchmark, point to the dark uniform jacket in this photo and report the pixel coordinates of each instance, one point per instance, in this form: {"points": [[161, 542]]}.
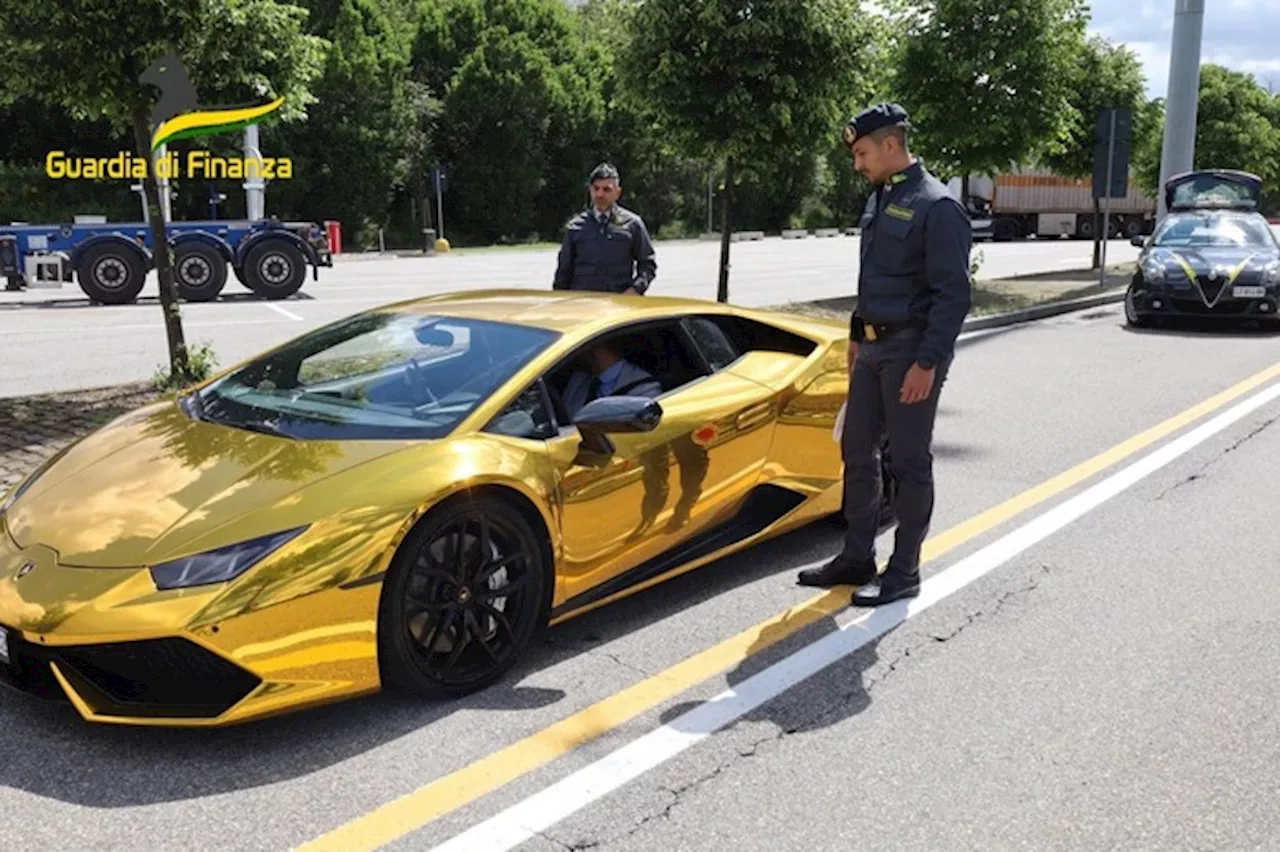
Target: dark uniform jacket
{"points": [[608, 256], [916, 239]]}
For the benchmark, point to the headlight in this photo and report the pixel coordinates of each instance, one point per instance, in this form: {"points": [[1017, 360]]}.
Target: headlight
{"points": [[1153, 270], [218, 566], [1271, 274]]}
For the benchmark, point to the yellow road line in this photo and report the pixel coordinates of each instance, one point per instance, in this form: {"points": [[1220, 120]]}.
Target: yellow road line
{"points": [[415, 810]]}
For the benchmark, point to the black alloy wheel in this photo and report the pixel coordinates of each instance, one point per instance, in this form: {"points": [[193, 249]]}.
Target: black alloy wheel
{"points": [[462, 599]]}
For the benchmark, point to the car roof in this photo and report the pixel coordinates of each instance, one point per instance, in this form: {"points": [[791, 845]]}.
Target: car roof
{"points": [[553, 310]]}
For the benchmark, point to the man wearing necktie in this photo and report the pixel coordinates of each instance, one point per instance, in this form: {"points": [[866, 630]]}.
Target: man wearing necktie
{"points": [[609, 374], [606, 247]]}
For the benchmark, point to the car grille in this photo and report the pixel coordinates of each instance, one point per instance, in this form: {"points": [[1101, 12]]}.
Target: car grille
{"points": [[172, 677]]}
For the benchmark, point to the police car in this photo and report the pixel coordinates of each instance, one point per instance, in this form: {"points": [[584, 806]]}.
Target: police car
{"points": [[1214, 255]]}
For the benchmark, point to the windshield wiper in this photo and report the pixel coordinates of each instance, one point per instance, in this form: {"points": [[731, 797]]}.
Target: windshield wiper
{"points": [[266, 427]]}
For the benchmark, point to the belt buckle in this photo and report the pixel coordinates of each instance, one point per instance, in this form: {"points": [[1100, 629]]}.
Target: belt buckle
{"points": [[869, 331]]}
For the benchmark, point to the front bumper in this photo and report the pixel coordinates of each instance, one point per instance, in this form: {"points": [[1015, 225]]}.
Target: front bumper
{"points": [[1192, 302], [122, 652]]}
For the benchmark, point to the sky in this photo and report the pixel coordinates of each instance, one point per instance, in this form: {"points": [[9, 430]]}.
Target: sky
{"points": [[1238, 34]]}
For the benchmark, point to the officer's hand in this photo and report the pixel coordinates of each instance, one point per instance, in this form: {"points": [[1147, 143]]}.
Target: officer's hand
{"points": [[631, 291], [851, 357], [917, 384]]}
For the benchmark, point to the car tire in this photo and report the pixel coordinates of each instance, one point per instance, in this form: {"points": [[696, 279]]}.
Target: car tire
{"points": [[274, 268], [443, 629], [199, 272], [1131, 316]]}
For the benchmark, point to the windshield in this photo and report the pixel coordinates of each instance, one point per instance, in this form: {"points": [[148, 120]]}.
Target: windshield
{"points": [[1205, 230], [375, 375]]}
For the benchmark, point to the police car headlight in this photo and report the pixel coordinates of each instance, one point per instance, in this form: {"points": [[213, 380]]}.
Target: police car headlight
{"points": [[1153, 271], [1271, 274]]}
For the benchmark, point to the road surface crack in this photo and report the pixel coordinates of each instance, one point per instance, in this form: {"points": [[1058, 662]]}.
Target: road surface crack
{"points": [[677, 795], [1201, 473]]}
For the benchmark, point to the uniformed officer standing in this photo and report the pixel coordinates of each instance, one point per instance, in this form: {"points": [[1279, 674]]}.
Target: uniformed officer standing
{"points": [[606, 247], [913, 295]]}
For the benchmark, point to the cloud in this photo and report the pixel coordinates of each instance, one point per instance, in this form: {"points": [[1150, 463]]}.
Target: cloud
{"points": [[1238, 34]]}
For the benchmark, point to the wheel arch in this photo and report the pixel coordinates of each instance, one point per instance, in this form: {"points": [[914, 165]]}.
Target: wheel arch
{"points": [[221, 245], [141, 252], [515, 495]]}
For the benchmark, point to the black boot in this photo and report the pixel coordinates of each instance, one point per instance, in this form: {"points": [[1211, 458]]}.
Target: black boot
{"points": [[888, 587], [839, 571]]}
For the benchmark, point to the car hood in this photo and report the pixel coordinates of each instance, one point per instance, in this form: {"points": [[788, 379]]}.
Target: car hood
{"points": [[1203, 260], [153, 484]]}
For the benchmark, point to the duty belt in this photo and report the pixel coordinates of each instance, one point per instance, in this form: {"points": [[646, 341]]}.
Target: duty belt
{"points": [[874, 330]]}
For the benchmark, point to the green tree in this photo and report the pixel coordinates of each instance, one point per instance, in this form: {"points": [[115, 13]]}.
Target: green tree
{"points": [[86, 56], [988, 83], [521, 103], [364, 137], [1237, 127], [1107, 76], [739, 81]]}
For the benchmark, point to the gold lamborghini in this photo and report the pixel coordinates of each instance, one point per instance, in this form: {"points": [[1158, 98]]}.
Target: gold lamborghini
{"points": [[403, 497]]}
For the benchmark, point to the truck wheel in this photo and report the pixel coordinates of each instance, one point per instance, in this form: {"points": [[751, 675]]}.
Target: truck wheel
{"points": [[199, 272], [111, 273], [275, 269]]}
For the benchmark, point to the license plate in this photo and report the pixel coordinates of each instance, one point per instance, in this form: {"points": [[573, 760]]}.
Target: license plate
{"points": [[1248, 292], [4, 646]]}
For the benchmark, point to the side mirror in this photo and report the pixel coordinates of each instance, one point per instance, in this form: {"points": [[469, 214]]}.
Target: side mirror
{"points": [[1139, 241], [619, 414]]}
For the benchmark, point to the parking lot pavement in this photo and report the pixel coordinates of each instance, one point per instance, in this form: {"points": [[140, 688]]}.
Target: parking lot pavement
{"points": [[52, 339], [1066, 688]]}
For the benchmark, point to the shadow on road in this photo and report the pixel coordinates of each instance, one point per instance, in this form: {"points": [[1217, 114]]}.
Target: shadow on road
{"points": [[1190, 327]]}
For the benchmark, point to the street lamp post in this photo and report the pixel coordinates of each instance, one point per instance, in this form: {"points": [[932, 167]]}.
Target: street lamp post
{"points": [[1178, 152]]}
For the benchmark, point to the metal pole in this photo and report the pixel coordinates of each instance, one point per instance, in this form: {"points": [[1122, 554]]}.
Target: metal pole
{"points": [[1106, 207], [1178, 152], [439, 205], [162, 183], [254, 186], [711, 179]]}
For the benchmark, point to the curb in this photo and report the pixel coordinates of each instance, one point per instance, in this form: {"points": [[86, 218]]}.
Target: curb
{"points": [[1039, 312]]}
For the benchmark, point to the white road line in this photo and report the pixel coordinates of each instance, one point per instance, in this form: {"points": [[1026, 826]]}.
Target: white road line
{"points": [[283, 312], [541, 811]]}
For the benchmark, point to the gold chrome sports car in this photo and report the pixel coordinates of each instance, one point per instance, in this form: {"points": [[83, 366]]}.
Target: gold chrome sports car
{"points": [[403, 497]]}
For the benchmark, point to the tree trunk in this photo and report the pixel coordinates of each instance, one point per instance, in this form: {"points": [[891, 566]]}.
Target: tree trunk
{"points": [[964, 192], [179, 361], [726, 201], [1097, 234]]}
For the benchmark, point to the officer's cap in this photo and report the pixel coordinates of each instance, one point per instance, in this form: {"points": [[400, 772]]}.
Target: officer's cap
{"points": [[872, 119], [604, 171]]}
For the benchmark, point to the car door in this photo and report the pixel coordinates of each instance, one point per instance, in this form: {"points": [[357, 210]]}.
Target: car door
{"points": [[621, 512]]}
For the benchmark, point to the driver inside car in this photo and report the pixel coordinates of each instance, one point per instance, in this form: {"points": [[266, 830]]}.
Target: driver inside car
{"points": [[607, 374]]}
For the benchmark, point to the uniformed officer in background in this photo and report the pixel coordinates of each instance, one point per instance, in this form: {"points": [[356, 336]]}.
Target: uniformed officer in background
{"points": [[913, 295], [606, 247]]}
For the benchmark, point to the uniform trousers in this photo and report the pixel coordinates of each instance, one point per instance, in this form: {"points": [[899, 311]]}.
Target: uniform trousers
{"points": [[874, 410]]}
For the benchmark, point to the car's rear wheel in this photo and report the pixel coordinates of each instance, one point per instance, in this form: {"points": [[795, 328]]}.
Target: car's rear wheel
{"points": [[462, 599]]}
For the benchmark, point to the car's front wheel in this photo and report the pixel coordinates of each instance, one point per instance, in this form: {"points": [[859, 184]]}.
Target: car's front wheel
{"points": [[1131, 315], [462, 599]]}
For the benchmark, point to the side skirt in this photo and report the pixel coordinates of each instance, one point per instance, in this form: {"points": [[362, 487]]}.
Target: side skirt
{"points": [[763, 507]]}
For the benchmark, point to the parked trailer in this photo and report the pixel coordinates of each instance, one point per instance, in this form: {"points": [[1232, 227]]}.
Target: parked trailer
{"points": [[1027, 201], [110, 260]]}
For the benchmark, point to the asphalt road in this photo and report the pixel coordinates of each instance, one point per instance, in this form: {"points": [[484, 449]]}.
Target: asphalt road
{"points": [[52, 339], [1101, 679]]}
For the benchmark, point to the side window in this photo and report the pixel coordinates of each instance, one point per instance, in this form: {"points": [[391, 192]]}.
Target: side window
{"points": [[716, 346], [526, 417]]}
